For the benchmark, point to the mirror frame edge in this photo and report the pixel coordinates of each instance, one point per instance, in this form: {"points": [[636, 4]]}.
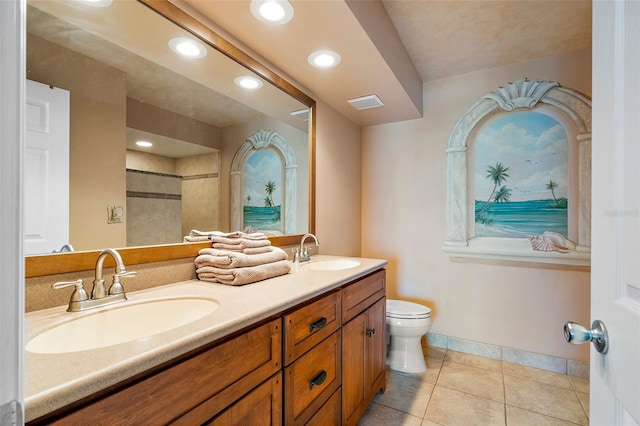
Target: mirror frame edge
{"points": [[59, 263]]}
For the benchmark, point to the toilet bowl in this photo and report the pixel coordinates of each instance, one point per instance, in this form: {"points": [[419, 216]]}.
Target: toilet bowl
{"points": [[407, 322]]}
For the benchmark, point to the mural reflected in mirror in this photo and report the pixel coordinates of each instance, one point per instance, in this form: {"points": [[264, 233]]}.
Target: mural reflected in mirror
{"points": [[126, 84], [262, 184]]}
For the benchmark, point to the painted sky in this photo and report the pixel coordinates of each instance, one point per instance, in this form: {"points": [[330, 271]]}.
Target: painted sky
{"points": [[262, 166], [534, 147]]}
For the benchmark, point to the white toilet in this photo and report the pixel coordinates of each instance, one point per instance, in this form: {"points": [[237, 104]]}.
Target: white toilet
{"points": [[407, 322]]}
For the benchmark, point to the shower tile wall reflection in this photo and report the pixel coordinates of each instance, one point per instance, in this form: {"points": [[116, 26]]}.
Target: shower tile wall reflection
{"points": [[154, 208]]}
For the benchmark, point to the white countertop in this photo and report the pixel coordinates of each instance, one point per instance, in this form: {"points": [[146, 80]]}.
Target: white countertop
{"points": [[53, 381]]}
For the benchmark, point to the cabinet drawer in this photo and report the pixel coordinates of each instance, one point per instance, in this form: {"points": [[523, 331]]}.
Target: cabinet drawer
{"points": [[312, 379], [309, 325], [329, 414], [197, 388], [360, 295]]}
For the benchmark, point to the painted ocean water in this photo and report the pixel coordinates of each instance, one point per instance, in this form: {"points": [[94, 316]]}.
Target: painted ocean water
{"points": [[260, 218], [518, 219]]}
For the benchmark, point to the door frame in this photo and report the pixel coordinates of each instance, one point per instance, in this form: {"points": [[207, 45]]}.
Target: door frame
{"points": [[12, 69]]}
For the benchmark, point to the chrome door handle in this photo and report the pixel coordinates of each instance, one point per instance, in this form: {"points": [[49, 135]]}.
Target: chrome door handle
{"points": [[577, 334]]}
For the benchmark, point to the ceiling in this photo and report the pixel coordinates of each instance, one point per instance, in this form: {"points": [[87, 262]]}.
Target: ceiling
{"points": [[391, 47]]}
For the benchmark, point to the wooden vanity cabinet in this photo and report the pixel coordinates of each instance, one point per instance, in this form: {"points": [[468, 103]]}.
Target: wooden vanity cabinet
{"points": [[363, 345], [197, 389], [318, 364]]}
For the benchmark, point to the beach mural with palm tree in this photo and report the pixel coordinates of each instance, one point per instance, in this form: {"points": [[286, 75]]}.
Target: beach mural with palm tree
{"points": [[263, 176], [521, 174]]}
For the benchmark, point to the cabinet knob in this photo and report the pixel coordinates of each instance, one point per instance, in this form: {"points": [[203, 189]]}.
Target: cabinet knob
{"points": [[370, 332], [318, 380]]}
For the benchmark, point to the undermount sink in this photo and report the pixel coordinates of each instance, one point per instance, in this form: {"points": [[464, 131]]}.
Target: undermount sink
{"points": [[332, 265], [121, 324]]}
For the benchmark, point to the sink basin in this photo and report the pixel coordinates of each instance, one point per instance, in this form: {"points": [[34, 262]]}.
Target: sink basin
{"points": [[121, 324], [332, 265]]}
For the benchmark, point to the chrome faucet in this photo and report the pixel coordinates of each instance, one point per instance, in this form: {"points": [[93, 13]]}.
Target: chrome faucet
{"points": [[80, 300], [66, 248], [301, 253]]}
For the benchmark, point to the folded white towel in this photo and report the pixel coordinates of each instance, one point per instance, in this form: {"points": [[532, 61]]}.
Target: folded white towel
{"points": [[232, 259], [239, 244], [235, 234], [190, 239], [246, 275]]}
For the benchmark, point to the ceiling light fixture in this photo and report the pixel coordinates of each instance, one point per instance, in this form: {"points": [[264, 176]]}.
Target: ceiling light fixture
{"points": [[97, 3], [324, 59], [275, 12], [248, 82], [144, 144], [187, 47]]}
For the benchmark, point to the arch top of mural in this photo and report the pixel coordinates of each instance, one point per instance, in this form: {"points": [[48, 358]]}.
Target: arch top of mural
{"points": [[517, 96]]}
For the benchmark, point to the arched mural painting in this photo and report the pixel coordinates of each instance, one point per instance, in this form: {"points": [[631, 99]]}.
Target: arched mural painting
{"points": [[263, 185], [519, 168]]}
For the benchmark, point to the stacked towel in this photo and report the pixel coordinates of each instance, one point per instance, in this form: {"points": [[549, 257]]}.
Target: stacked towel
{"points": [[198, 236], [241, 259]]}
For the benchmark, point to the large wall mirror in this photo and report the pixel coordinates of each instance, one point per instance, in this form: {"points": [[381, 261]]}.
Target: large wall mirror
{"points": [[126, 84]]}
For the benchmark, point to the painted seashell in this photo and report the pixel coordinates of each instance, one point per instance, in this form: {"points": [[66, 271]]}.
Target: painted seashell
{"points": [[551, 241]]}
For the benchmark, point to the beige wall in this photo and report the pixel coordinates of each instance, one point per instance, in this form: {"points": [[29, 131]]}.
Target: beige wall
{"points": [[97, 138], [403, 221], [338, 182]]}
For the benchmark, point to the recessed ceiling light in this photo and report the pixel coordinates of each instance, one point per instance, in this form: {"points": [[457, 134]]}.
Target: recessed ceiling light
{"points": [[187, 47], [276, 12], [248, 82], [144, 144], [324, 59], [97, 3]]}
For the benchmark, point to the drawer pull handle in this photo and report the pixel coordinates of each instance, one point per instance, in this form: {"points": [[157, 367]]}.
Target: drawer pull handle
{"points": [[318, 324], [318, 380], [371, 332]]}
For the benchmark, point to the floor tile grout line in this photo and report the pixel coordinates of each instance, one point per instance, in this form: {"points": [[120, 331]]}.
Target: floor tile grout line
{"points": [[543, 414]]}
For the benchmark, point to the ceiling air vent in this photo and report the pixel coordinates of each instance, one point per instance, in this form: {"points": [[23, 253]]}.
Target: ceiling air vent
{"points": [[366, 102], [302, 114]]}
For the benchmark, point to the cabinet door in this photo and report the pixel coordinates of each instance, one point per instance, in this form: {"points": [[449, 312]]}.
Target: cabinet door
{"points": [[363, 361], [261, 406], [376, 348], [354, 352]]}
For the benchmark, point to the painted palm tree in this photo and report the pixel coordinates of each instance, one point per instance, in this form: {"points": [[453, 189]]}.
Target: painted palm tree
{"points": [[550, 187], [502, 195], [497, 174], [270, 188]]}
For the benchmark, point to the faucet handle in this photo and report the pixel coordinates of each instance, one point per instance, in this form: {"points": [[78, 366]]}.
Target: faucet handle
{"points": [[116, 287], [124, 274], [296, 254], [79, 294]]}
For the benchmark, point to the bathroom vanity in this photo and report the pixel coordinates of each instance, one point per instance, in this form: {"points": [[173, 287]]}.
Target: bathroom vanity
{"points": [[304, 348]]}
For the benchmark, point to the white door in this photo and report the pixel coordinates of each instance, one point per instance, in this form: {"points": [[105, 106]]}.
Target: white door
{"points": [[615, 261], [46, 185]]}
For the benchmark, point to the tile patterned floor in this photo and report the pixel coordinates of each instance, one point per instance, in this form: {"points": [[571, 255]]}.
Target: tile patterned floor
{"points": [[466, 390]]}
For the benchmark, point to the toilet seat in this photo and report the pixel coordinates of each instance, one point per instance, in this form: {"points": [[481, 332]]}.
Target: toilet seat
{"points": [[402, 309]]}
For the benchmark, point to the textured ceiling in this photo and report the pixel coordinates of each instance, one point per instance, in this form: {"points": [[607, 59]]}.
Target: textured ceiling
{"points": [[442, 38], [445, 38]]}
